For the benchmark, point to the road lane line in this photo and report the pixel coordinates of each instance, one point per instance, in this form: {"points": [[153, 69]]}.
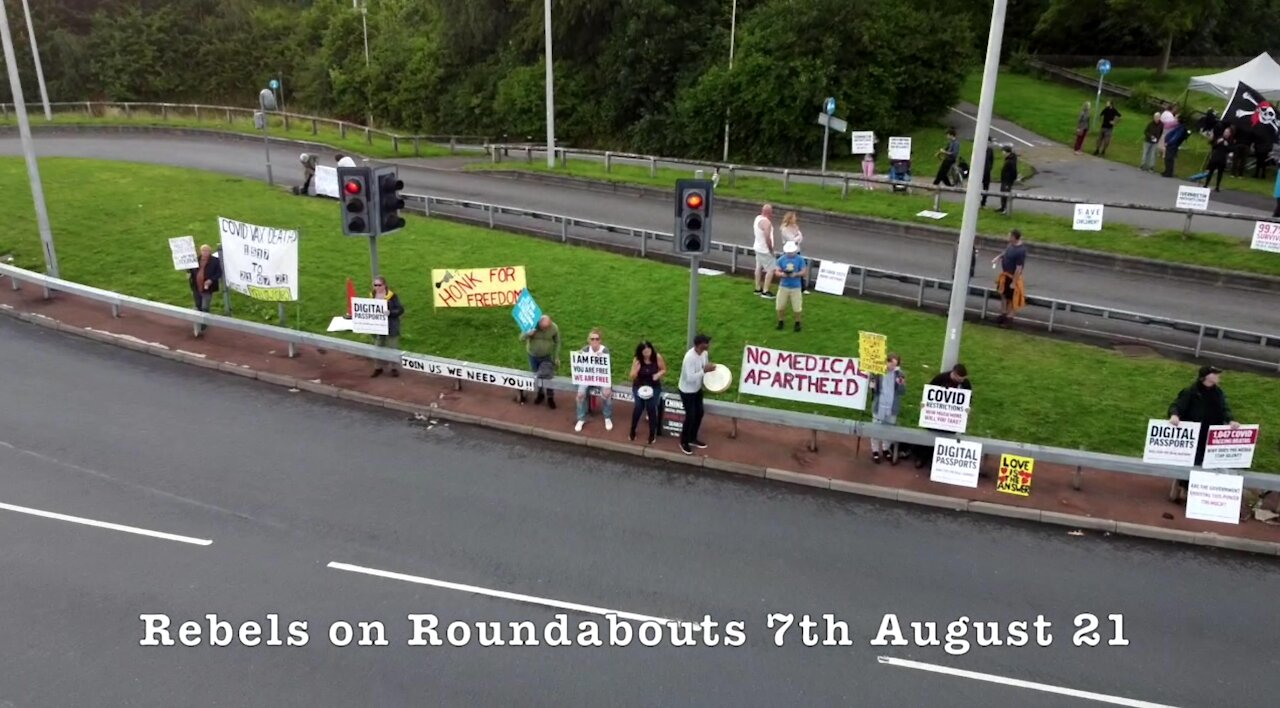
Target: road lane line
{"points": [[106, 525], [504, 595], [1002, 132], [1019, 683]]}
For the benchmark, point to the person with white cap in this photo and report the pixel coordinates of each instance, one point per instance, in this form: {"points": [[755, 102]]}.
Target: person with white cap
{"points": [[791, 271]]}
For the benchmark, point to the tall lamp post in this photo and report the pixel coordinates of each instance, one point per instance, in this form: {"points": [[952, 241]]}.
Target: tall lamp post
{"points": [[551, 88], [733, 31], [362, 5], [35, 54], [973, 191]]}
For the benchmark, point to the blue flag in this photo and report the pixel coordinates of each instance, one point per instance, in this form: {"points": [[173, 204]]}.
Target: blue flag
{"points": [[526, 312]]}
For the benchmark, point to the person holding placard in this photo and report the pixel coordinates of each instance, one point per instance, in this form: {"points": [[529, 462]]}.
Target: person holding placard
{"points": [[887, 390], [1151, 143], [647, 370], [392, 338], [1203, 403], [204, 279], [1219, 151], [542, 344], [791, 271], [696, 366], [1009, 283], [595, 345], [958, 377]]}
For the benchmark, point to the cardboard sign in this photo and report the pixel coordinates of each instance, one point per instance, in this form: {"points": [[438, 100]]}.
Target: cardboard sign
{"points": [[832, 277], [671, 411], [1228, 449], [873, 352], [1015, 475], [1088, 217], [369, 315], [259, 261], [1212, 496], [863, 142], [1266, 237], [945, 408], [1167, 445], [526, 312], [591, 369], [478, 287], [466, 373], [956, 462], [826, 380], [1195, 198], [183, 250], [899, 148]]}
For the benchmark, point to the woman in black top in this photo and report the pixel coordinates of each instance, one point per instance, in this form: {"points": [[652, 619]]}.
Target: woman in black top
{"points": [[1219, 150], [647, 369]]}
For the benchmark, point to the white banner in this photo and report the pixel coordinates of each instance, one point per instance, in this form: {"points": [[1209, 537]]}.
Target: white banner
{"points": [[899, 148], [1212, 496], [466, 373], [945, 408], [1169, 445], [832, 277], [1228, 449], [1088, 217], [183, 250], [259, 261], [591, 369], [1266, 237], [863, 142], [1196, 198], [369, 315], [956, 462], [326, 181], [826, 380]]}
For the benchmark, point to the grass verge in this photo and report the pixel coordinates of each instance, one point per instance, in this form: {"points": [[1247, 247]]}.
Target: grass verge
{"points": [[1199, 249], [112, 221]]}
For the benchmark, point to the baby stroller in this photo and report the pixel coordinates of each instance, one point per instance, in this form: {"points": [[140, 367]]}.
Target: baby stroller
{"points": [[900, 172]]}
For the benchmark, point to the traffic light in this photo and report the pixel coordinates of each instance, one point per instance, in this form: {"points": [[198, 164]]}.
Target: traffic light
{"points": [[354, 192], [387, 208], [693, 216]]}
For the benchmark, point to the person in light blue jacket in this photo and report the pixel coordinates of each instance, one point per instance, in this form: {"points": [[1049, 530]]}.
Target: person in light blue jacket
{"points": [[887, 391]]}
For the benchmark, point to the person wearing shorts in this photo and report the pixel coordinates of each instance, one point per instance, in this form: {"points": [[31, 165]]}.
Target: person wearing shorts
{"points": [[763, 247], [791, 271]]}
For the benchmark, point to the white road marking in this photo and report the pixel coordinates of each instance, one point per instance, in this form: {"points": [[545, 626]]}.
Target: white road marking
{"points": [[504, 595], [106, 525], [1002, 132], [1018, 683]]}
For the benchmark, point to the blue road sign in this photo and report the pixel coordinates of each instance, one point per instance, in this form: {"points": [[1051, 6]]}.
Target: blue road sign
{"points": [[830, 106], [274, 84], [1104, 66], [526, 312]]}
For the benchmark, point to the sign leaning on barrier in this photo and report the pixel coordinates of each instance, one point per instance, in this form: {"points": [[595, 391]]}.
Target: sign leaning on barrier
{"points": [[1266, 237], [826, 380], [466, 373], [1168, 444], [873, 352], [591, 369], [1228, 449], [956, 462], [259, 261], [1213, 496], [832, 277], [671, 410], [369, 316], [478, 287], [1195, 198], [1088, 217], [183, 250], [899, 148], [1015, 475], [944, 408]]}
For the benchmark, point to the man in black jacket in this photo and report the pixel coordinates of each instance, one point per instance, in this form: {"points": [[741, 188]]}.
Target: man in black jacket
{"points": [[1008, 175], [1203, 403], [958, 377], [204, 279], [986, 171]]}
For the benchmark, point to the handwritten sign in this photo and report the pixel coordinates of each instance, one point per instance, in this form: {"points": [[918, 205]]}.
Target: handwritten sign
{"points": [[832, 277], [1213, 496], [956, 462], [863, 142], [1228, 449], [945, 408], [1195, 198], [591, 369], [183, 250], [1266, 237], [827, 380], [369, 316], [259, 261], [1015, 475], [1169, 445], [526, 312], [1088, 217], [873, 352], [478, 287], [899, 148], [466, 373]]}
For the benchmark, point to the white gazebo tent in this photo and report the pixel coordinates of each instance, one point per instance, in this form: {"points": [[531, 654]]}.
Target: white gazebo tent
{"points": [[1262, 74]]}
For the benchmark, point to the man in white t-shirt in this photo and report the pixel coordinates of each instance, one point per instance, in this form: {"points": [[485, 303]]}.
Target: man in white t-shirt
{"points": [[764, 251], [695, 367], [345, 160]]}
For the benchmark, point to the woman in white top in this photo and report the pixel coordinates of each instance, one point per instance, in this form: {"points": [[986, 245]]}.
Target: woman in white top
{"points": [[790, 231]]}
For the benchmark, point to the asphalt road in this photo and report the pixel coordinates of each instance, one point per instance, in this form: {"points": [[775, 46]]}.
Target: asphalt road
{"points": [[283, 485], [1135, 293]]}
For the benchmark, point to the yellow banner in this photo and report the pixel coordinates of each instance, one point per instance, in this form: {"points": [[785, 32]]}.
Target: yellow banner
{"points": [[257, 292], [873, 352], [478, 287], [1015, 475]]}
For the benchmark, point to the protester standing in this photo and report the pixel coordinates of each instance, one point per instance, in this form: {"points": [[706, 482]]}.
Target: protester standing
{"points": [[790, 230], [792, 268], [1151, 143], [887, 390], [949, 154], [1203, 403], [695, 367], [647, 369], [958, 377], [1173, 140], [1082, 126], [763, 245], [1219, 150], [1109, 116], [204, 279], [1008, 176], [394, 310], [595, 345], [986, 171], [1009, 283], [542, 344], [1168, 121]]}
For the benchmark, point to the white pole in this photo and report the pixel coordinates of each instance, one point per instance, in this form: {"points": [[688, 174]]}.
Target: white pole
{"points": [[28, 146], [551, 90], [969, 224], [1097, 101], [364, 21], [733, 31], [35, 54]]}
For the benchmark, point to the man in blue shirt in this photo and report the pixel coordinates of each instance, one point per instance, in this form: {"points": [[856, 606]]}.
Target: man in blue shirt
{"points": [[791, 272]]}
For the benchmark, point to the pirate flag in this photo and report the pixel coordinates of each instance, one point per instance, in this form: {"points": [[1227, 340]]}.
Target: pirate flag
{"points": [[1251, 114]]}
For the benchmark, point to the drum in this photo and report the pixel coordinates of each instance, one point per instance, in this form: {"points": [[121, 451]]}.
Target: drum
{"points": [[718, 380], [645, 392]]}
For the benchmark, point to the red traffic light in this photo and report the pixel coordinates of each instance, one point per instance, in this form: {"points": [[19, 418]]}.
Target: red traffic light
{"points": [[693, 201], [352, 186]]}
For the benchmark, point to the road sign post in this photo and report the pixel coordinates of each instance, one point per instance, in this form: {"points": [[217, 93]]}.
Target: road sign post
{"points": [[267, 101], [829, 122], [1104, 67]]}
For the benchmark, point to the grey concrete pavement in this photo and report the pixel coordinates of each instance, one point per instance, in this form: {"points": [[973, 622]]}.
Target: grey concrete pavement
{"points": [[1136, 293], [286, 483]]}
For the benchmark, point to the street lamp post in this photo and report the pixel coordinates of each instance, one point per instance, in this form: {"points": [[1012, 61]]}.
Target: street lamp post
{"points": [[35, 54], [551, 89], [362, 5], [973, 191], [733, 31]]}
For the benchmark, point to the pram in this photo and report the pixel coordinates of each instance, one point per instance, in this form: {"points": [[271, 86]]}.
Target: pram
{"points": [[900, 171]]}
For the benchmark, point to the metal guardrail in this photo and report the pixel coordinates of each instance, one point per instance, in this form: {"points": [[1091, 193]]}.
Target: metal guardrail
{"points": [[813, 423], [230, 113], [1205, 333], [498, 150]]}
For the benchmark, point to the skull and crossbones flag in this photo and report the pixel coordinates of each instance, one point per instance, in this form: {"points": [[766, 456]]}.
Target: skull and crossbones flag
{"points": [[1251, 114]]}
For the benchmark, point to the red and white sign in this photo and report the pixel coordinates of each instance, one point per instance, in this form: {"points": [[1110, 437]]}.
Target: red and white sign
{"points": [[945, 408], [1266, 236], [1229, 449], [826, 380]]}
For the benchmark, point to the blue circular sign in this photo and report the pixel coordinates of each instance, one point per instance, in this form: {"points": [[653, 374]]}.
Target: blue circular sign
{"points": [[830, 106], [274, 84], [1104, 66]]}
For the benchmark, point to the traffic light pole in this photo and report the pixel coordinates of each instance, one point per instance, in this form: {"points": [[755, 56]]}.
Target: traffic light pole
{"points": [[28, 146], [694, 264], [373, 255]]}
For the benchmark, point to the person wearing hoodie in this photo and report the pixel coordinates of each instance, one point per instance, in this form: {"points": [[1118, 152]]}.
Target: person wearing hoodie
{"points": [[1203, 403], [394, 311]]}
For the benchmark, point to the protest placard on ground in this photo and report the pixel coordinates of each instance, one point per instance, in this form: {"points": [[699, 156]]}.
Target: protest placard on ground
{"points": [[1196, 198], [945, 408], [183, 250], [1169, 445], [1228, 449], [1266, 237], [827, 380], [1213, 496], [259, 261], [466, 373], [526, 312], [590, 369], [956, 462], [832, 276], [369, 315], [478, 287], [899, 148], [873, 352], [862, 142], [1088, 217], [1015, 475]]}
